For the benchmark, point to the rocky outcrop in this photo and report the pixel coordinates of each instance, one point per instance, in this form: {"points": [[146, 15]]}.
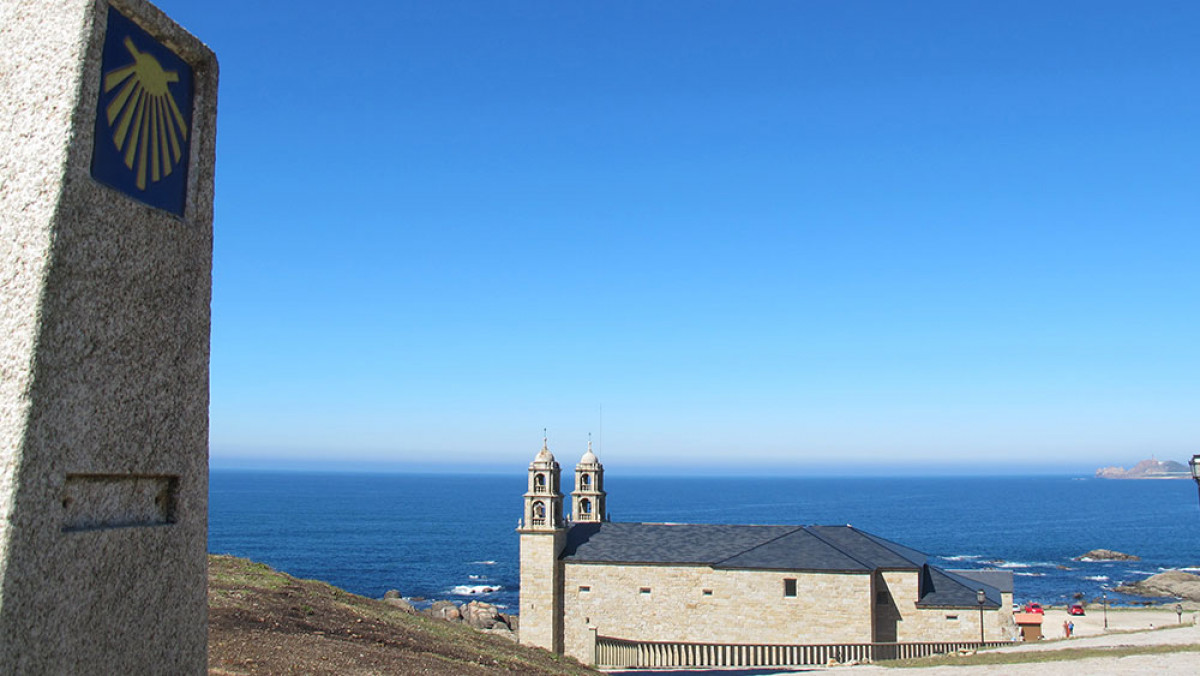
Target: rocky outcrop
{"points": [[476, 614], [444, 610], [1107, 555], [392, 597], [482, 615], [1147, 469], [1173, 583]]}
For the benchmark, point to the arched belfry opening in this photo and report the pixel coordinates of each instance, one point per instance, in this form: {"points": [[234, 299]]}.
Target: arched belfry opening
{"points": [[543, 499], [588, 498]]}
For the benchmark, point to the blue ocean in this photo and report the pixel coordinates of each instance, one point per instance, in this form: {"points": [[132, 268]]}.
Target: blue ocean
{"points": [[440, 536]]}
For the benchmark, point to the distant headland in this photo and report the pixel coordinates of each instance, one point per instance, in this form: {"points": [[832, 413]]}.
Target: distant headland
{"points": [[1147, 469]]}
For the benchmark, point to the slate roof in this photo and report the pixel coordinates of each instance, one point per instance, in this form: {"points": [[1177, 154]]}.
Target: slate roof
{"points": [[943, 589], [664, 543], [1000, 579], [788, 548]]}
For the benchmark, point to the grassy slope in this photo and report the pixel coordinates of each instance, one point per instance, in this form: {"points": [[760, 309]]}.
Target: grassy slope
{"points": [[265, 622]]}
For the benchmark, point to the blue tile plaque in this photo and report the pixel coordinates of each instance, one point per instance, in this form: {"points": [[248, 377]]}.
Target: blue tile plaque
{"points": [[143, 118]]}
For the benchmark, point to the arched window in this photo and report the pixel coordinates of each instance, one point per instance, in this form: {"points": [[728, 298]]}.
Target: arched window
{"points": [[585, 506], [539, 482], [585, 480], [539, 510]]}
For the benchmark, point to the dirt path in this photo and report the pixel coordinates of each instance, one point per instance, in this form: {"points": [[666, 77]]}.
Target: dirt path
{"points": [[1127, 628], [1090, 630]]}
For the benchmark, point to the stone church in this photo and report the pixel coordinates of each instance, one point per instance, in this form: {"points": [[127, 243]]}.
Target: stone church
{"points": [[584, 578]]}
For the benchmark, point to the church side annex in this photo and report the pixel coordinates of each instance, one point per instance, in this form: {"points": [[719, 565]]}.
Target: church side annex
{"points": [[584, 578]]}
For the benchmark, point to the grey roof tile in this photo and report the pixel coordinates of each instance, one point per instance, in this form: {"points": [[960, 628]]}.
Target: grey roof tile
{"points": [[1002, 580], [664, 543], [945, 589], [798, 550]]}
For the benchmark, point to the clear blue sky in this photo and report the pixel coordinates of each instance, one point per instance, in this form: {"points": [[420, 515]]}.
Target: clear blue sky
{"points": [[773, 236]]}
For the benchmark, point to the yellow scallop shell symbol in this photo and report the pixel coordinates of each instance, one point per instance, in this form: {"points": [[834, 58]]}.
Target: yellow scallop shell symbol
{"points": [[151, 128]]}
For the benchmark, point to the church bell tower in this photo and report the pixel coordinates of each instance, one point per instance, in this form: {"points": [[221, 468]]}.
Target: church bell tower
{"points": [[588, 504], [543, 535]]}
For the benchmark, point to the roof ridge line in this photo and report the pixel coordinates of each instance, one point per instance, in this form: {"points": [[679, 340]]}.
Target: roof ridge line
{"points": [[880, 540], [869, 565], [761, 544]]}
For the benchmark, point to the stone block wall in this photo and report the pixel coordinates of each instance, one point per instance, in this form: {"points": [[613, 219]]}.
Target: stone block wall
{"points": [[702, 604], [901, 619], [541, 589]]}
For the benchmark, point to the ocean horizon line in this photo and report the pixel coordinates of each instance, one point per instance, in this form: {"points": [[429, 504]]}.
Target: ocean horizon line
{"points": [[655, 471]]}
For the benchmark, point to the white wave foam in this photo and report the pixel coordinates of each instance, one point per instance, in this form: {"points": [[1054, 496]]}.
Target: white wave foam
{"points": [[484, 563], [1097, 578], [475, 577], [1030, 574], [963, 557], [474, 590]]}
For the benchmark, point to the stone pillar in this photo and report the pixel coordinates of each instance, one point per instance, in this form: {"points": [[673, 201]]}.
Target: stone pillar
{"points": [[107, 125], [590, 646]]}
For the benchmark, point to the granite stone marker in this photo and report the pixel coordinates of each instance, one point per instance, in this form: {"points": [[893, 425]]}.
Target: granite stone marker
{"points": [[107, 130]]}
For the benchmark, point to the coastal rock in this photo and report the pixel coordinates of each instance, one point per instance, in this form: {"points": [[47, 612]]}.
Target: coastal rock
{"points": [[1173, 583], [392, 594], [482, 615], [400, 603], [1147, 469], [1107, 555], [445, 610]]}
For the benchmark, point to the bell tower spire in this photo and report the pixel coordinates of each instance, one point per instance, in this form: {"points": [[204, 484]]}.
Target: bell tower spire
{"points": [[543, 533], [544, 498], [588, 500]]}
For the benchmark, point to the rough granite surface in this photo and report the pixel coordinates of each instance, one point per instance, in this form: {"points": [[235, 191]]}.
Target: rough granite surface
{"points": [[104, 346]]}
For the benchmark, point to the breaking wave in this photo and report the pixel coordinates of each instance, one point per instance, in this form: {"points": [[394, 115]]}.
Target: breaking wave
{"points": [[474, 590]]}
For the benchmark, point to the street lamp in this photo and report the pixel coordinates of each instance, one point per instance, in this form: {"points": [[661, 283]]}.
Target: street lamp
{"points": [[980, 598], [1195, 463], [1105, 611]]}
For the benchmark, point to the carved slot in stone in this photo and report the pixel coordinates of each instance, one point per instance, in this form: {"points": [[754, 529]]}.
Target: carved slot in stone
{"points": [[97, 501]]}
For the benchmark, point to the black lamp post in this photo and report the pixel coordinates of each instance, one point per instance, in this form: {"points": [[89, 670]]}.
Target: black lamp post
{"points": [[1195, 463], [980, 598], [1105, 611]]}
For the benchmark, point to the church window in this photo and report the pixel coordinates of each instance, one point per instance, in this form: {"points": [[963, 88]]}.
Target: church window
{"points": [[644, 590], [789, 586], [585, 506], [952, 618], [707, 592], [586, 480], [583, 589], [539, 483]]}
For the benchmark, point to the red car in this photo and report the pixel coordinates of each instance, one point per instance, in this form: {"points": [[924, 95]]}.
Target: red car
{"points": [[1075, 609], [1034, 608]]}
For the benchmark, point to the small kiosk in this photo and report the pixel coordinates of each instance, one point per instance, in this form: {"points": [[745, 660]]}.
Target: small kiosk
{"points": [[1030, 625]]}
